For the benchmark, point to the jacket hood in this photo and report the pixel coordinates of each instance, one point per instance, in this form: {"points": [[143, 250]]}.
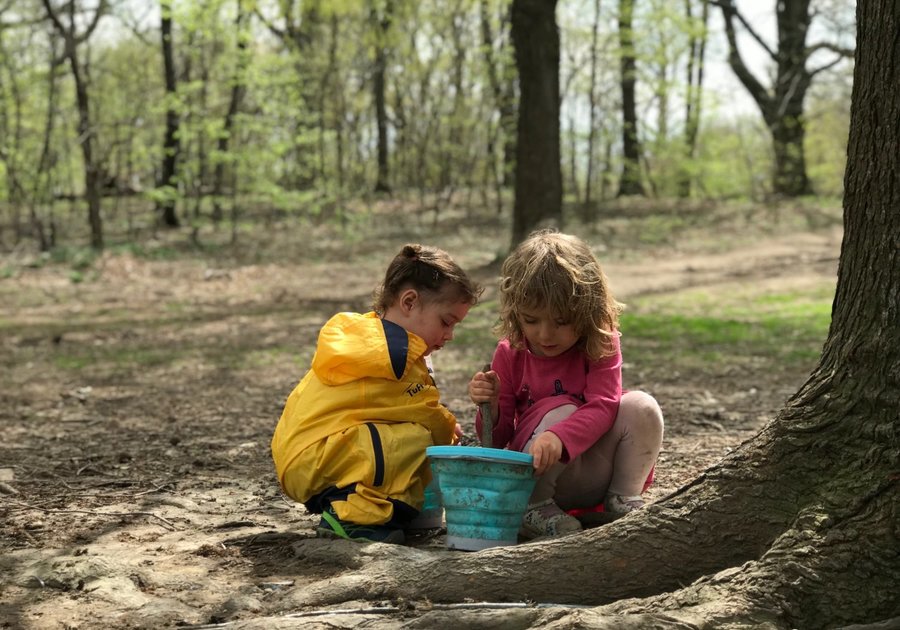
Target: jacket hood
{"points": [[353, 346]]}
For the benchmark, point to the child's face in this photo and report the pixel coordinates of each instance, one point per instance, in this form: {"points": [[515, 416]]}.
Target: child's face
{"points": [[434, 321], [547, 335]]}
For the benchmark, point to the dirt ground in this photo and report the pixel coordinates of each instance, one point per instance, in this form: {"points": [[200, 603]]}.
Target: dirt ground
{"points": [[137, 405]]}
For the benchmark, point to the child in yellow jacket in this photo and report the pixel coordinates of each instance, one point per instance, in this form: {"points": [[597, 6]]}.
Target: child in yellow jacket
{"points": [[351, 440]]}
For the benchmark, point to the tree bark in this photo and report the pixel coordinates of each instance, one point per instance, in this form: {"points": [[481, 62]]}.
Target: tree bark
{"points": [[630, 183], [796, 528], [538, 181], [171, 142]]}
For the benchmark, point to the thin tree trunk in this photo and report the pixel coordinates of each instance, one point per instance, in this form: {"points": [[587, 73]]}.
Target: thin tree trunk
{"points": [[41, 191], [573, 161], [381, 22], [10, 145], [588, 215], [171, 143], [452, 151], [501, 75], [694, 96], [86, 133], [630, 182], [238, 88]]}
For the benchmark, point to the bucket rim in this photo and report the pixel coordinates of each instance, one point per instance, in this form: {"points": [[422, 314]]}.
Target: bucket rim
{"points": [[480, 453]]}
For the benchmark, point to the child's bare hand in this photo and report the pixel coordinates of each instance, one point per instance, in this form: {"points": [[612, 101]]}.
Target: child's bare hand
{"points": [[485, 387], [547, 450]]}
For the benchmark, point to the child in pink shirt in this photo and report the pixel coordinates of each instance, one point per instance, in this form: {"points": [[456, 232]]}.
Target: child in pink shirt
{"points": [[555, 387]]}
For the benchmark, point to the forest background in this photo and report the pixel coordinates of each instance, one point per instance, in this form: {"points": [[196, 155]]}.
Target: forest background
{"points": [[244, 111]]}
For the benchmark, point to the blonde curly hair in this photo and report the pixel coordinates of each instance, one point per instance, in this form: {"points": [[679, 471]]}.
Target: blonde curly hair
{"points": [[558, 272]]}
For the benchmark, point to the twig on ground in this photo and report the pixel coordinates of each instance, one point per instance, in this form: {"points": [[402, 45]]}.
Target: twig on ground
{"points": [[156, 489]]}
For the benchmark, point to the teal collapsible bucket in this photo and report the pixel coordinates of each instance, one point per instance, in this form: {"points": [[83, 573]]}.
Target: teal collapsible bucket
{"points": [[432, 514], [484, 493]]}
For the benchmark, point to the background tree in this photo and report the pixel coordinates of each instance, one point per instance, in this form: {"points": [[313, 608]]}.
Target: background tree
{"points": [[72, 39], [630, 182], [238, 89], [381, 14], [782, 105], [171, 141], [798, 526], [538, 173], [694, 90], [587, 206], [307, 142], [500, 65]]}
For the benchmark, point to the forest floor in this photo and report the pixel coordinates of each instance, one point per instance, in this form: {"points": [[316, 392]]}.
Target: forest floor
{"points": [[138, 395]]}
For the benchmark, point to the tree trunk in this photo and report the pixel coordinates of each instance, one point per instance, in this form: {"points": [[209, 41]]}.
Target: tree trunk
{"points": [[796, 528], [630, 183], [238, 88], [503, 88], [587, 213], [694, 97], [381, 21], [11, 142], [72, 39], [538, 199], [171, 143], [782, 105], [299, 27], [42, 189]]}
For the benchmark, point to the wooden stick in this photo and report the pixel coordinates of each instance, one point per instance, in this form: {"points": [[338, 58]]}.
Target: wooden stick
{"points": [[487, 419]]}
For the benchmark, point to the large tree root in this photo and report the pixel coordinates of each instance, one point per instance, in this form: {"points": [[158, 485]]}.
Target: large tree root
{"points": [[820, 573]]}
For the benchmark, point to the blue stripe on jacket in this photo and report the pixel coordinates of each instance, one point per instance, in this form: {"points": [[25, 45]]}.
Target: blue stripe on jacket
{"points": [[398, 346]]}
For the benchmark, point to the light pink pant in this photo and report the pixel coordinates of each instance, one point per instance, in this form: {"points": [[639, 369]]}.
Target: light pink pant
{"points": [[619, 462]]}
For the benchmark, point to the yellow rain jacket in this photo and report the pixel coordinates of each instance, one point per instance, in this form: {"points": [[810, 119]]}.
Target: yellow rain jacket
{"points": [[356, 427]]}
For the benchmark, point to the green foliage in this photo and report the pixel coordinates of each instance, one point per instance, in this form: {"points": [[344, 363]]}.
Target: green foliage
{"points": [[304, 137]]}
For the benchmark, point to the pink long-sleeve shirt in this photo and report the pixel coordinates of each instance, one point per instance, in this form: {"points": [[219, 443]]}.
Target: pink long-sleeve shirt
{"points": [[531, 386]]}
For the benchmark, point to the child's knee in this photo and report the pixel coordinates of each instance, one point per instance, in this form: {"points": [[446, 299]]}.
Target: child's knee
{"points": [[642, 413]]}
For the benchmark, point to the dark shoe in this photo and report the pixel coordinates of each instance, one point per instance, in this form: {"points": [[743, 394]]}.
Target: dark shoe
{"points": [[332, 527], [620, 505], [546, 519]]}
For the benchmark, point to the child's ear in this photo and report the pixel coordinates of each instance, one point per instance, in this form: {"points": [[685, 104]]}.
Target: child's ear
{"points": [[408, 300]]}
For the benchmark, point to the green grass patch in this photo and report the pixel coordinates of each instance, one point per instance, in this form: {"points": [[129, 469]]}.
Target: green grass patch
{"points": [[117, 357], [692, 329]]}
